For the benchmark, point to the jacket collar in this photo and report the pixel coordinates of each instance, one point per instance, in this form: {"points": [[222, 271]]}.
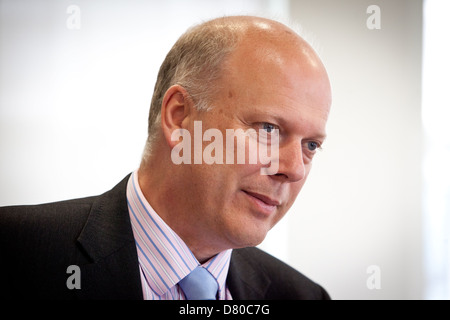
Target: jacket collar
{"points": [[246, 280], [108, 240], [108, 226]]}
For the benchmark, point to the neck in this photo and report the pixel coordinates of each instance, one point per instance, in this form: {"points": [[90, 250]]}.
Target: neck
{"points": [[159, 189]]}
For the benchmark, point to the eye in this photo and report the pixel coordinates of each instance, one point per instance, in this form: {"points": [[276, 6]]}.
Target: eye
{"points": [[312, 145], [268, 133], [268, 127]]}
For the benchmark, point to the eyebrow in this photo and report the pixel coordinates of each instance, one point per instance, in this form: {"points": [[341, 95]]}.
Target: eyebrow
{"points": [[321, 137], [283, 123]]}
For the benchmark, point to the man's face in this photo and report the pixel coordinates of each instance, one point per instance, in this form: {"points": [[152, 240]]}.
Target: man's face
{"points": [[234, 205]]}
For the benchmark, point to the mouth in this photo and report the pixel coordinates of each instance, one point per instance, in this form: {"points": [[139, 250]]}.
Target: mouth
{"points": [[262, 202]]}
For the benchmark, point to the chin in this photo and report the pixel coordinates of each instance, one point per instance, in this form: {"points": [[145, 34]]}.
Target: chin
{"points": [[248, 239], [245, 229]]}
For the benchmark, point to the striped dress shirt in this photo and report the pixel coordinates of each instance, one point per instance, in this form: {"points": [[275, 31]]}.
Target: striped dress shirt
{"points": [[164, 259]]}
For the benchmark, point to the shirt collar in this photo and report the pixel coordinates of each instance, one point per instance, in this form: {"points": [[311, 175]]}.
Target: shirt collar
{"points": [[163, 256]]}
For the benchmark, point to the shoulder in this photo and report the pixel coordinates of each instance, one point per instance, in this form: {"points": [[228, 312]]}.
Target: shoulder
{"points": [[46, 215], [50, 226], [42, 231], [283, 281], [38, 244]]}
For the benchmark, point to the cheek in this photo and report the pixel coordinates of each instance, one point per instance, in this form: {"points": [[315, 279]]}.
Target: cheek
{"points": [[212, 183]]}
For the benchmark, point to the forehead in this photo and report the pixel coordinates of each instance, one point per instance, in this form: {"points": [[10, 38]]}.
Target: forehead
{"points": [[288, 84]]}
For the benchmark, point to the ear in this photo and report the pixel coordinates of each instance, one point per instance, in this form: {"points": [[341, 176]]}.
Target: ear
{"points": [[175, 111]]}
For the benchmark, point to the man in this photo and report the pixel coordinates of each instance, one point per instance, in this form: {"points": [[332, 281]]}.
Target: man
{"points": [[249, 76]]}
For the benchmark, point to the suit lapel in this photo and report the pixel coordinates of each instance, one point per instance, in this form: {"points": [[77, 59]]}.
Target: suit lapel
{"points": [[108, 239], [245, 280]]}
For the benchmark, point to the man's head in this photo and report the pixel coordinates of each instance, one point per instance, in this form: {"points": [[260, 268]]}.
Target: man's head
{"points": [[234, 73]]}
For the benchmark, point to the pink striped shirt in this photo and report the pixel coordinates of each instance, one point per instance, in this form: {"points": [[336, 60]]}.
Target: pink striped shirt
{"points": [[164, 259]]}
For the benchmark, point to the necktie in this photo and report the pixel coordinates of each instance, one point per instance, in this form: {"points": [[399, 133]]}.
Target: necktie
{"points": [[199, 285]]}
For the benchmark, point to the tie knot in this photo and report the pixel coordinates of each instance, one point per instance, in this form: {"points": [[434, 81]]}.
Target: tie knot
{"points": [[199, 285]]}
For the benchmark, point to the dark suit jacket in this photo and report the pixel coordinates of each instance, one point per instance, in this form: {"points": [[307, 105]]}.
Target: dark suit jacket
{"points": [[38, 243]]}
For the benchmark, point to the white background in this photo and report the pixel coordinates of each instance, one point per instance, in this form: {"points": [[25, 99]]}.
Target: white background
{"points": [[73, 122]]}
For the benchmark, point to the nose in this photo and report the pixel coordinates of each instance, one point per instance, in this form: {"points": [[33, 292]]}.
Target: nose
{"points": [[291, 165]]}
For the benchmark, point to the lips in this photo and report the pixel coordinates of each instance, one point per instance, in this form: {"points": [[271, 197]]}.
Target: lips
{"points": [[263, 200]]}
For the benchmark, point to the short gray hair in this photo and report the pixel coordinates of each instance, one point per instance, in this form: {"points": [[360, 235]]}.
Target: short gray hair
{"points": [[194, 62]]}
